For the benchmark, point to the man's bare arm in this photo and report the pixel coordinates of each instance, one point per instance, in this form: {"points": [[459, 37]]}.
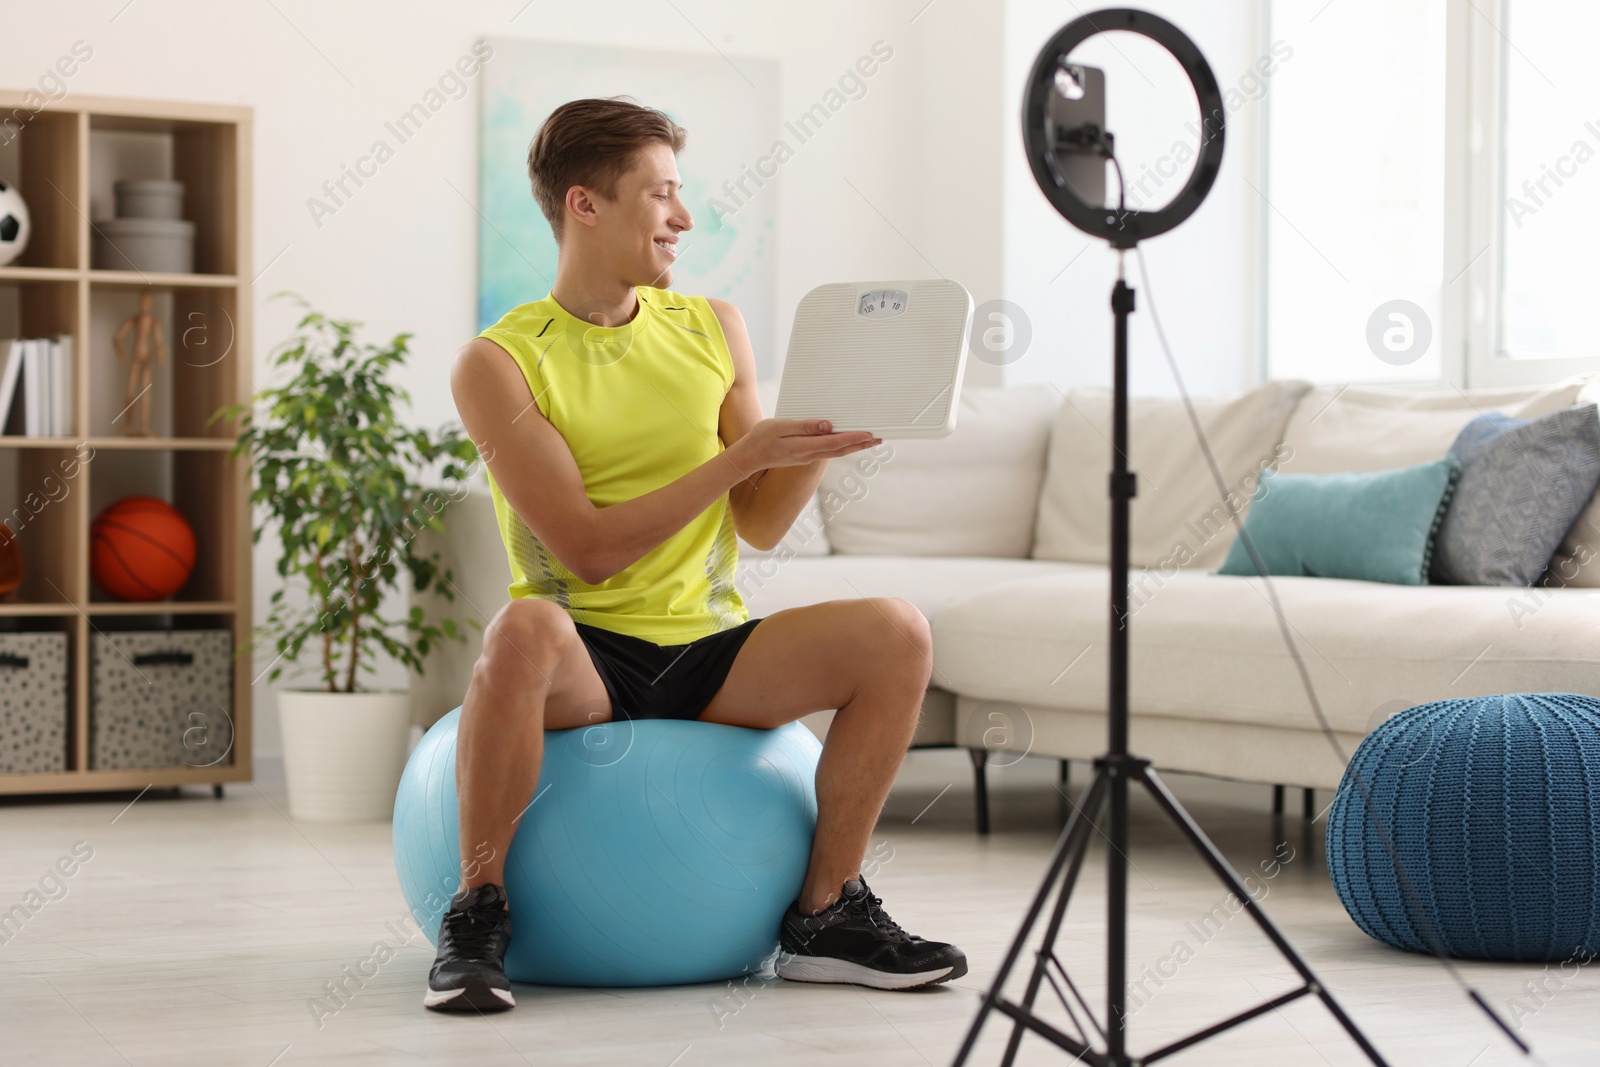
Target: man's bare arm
{"points": [[766, 505], [536, 472]]}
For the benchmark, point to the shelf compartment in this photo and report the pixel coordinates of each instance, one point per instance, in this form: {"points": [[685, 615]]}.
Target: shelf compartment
{"points": [[41, 156], [201, 155], [41, 490], [187, 481], [34, 308], [201, 346]]}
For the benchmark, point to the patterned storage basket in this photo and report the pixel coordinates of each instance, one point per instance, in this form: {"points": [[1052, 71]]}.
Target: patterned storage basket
{"points": [[33, 703], [161, 699]]}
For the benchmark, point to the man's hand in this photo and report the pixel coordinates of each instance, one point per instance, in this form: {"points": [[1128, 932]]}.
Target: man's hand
{"points": [[795, 443]]}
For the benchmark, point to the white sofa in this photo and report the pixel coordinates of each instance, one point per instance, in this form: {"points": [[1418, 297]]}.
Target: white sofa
{"points": [[997, 533]]}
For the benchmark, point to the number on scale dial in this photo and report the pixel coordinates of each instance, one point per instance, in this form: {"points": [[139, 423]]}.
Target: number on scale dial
{"points": [[882, 304]]}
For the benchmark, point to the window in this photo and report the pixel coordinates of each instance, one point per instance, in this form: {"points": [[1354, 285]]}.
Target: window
{"points": [[1354, 190], [1545, 277], [1430, 173]]}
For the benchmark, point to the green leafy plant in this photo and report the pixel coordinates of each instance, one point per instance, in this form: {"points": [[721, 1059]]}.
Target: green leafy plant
{"points": [[339, 477]]}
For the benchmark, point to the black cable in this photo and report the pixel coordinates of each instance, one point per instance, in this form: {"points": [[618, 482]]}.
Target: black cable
{"points": [[1401, 877]]}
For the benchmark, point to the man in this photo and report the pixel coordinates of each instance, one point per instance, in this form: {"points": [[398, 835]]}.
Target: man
{"points": [[625, 447]]}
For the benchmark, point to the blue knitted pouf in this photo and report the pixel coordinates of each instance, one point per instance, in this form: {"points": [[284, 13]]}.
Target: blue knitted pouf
{"points": [[1492, 805]]}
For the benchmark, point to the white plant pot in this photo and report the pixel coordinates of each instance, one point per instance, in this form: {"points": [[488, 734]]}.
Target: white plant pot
{"points": [[343, 753]]}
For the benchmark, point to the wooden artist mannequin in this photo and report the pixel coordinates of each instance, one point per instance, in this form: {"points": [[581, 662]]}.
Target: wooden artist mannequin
{"points": [[146, 335]]}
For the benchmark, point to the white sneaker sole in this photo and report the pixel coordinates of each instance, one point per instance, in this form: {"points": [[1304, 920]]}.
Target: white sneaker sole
{"points": [[824, 969], [443, 998]]}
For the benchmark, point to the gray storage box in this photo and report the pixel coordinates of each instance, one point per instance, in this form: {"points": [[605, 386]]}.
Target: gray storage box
{"points": [[148, 198], [160, 698], [157, 246], [33, 703]]}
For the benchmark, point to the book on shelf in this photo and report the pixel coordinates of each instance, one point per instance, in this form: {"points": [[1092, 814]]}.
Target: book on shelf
{"points": [[61, 380], [36, 386]]}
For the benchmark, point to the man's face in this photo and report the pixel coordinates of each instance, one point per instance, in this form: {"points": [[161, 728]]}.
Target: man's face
{"points": [[639, 230]]}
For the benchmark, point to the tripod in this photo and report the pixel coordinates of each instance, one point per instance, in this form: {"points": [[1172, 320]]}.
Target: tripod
{"points": [[1108, 787]]}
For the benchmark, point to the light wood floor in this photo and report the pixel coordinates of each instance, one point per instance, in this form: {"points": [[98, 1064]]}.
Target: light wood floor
{"points": [[199, 930]]}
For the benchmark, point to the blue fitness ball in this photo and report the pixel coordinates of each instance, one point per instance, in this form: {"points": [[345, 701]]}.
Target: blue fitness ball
{"points": [[657, 852]]}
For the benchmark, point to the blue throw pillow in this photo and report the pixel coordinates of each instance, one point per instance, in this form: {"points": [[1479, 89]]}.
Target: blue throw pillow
{"points": [[1377, 526], [1523, 483]]}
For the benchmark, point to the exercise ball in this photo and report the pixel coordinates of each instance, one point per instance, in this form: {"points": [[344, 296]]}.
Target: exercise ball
{"points": [[1492, 805], [657, 852], [141, 548]]}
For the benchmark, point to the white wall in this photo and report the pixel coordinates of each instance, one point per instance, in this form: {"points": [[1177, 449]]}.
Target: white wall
{"points": [[1205, 272]]}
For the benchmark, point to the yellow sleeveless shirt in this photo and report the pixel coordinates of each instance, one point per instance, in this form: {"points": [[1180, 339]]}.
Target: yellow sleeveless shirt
{"points": [[638, 405]]}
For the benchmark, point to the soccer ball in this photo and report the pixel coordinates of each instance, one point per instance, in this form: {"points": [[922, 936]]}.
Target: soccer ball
{"points": [[14, 225]]}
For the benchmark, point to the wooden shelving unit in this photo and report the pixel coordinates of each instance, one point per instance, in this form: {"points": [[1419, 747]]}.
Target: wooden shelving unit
{"points": [[62, 159]]}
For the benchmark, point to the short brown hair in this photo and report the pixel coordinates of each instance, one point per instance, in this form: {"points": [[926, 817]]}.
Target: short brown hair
{"points": [[592, 143]]}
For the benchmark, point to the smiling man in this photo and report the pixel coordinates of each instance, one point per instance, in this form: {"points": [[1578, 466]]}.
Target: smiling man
{"points": [[626, 447]]}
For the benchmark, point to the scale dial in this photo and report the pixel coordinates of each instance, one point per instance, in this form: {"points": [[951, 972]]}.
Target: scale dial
{"points": [[881, 304]]}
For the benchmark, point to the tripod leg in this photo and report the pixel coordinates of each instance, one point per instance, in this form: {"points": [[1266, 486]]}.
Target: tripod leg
{"points": [[1308, 804], [1078, 826], [1277, 800], [1088, 811], [1208, 852]]}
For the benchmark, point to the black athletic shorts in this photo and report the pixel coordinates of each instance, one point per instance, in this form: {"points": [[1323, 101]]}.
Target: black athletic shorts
{"points": [[650, 681]]}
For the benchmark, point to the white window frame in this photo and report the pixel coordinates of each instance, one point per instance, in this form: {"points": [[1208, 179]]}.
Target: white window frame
{"points": [[1476, 54]]}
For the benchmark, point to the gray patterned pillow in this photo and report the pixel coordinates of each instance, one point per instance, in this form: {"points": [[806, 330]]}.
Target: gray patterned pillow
{"points": [[1523, 484]]}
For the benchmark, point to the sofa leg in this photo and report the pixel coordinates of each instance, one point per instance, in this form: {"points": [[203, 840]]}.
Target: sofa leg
{"points": [[1064, 791], [980, 786], [1277, 800], [1309, 805]]}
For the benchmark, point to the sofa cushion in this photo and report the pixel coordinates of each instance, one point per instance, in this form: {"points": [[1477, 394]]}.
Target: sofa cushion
{"points": [[1206, 646], [929, 582], [1342, 428], [1178, 519], [1376, 526], [972, 493], [1523, 484], [1577, 561]]}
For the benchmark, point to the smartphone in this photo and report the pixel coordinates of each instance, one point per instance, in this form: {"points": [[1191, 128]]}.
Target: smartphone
{"points": [[1074, 122]]}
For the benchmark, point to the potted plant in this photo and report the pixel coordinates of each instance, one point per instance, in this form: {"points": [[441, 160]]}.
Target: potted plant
{"points": [[338, 477]]}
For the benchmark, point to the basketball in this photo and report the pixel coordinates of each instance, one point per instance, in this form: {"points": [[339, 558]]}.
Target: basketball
{"points": [[141, 548]]}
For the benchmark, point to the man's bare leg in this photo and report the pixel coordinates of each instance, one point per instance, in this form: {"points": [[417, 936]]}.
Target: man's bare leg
{"points": [[534, 675], [869, 658]]}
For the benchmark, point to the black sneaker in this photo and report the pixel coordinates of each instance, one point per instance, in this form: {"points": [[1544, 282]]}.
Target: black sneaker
{"points": [[855, 941], [469, 973]]}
